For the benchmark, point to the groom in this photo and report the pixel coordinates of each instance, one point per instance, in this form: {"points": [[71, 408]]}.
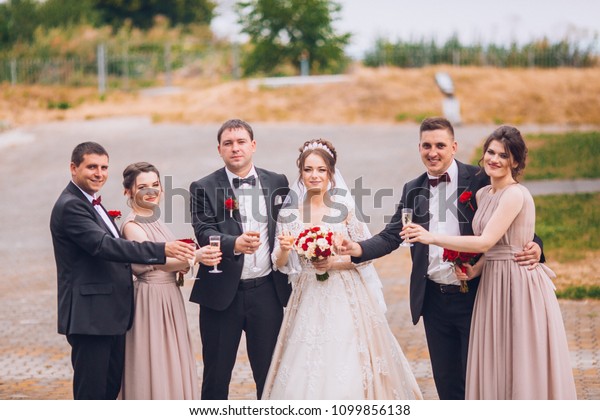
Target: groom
{"points": [[95, 288], [239, 203], [443, 200]]}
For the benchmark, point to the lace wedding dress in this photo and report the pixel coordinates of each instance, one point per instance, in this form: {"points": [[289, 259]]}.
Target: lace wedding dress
{"points": [[335, 342]]}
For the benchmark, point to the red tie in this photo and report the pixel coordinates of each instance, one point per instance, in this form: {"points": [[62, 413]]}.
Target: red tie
{"points": [[97, 201], [433, 182]]}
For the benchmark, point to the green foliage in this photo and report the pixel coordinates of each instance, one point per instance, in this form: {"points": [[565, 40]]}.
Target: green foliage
{"points": [[18, 20], [284, 32], [540, 53], [141, 13], [569, 224], [579, 292], [563, 156], [66, 13]]}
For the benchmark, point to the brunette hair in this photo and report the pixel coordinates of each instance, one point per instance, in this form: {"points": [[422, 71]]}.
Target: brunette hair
{"points": [[322, 148], [514, 145], [132, 171], [234, 125], [436, 123], [86, 148]]}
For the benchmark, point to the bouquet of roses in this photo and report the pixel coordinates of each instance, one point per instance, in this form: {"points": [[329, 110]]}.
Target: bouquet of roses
{"points": [[457, 258], [314, 244]]}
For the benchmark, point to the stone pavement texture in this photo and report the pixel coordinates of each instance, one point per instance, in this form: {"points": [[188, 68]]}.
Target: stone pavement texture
{"points": [[34, 359]]}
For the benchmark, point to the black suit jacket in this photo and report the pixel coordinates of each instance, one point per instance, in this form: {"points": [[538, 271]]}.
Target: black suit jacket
{"points": [[210, 217], [95, 290], [416, 195]]}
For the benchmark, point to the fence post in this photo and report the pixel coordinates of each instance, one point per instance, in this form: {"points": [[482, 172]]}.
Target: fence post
{"points": [[101, 56], [456, 58], [13, 71], [126, 68], [168, 74]]}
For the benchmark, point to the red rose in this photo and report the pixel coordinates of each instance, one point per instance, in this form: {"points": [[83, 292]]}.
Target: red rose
{"points": [[115, 214], [231, 204], [450, 255], [465, 197], [315, 229]]}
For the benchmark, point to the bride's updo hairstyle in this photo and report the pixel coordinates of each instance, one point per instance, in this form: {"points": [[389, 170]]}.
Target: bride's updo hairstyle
{"points": [[325, 150], [514, 145]]}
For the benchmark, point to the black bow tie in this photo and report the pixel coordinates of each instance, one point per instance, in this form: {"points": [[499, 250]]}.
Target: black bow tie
{"points": [[97, 201], [433, 182], [251, 180]]}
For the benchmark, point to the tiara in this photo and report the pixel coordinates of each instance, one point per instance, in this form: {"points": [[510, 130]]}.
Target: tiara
{"points": [[316, 145]]}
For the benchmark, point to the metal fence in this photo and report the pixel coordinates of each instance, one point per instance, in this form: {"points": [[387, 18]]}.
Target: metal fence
{"points": [[104, 69]]}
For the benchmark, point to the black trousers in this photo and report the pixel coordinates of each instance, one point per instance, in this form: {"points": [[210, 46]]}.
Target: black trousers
{"points": [[257, 312], [97, 365], [447, 321]]}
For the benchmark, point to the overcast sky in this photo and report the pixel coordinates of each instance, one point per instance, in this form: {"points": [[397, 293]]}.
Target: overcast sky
{"points": [[499, 21]]}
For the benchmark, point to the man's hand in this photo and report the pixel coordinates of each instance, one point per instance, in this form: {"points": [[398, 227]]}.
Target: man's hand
{"points": [[247, 243], [349, 247], [530, 256], [180, 250]]}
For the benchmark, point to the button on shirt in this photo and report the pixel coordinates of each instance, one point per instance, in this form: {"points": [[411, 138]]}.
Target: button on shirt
{"points": [[105, 217], [444, 220], [246, 196]]}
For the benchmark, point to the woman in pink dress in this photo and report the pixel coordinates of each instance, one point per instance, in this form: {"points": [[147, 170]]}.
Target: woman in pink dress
{"points": [[518, 345], [159, 360]]}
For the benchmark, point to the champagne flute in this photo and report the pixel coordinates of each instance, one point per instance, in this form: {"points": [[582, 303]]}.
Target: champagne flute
{"points": [[192, 262], [215, 242], [252, 230], [406, 219], [338, 239], [288, 237]]}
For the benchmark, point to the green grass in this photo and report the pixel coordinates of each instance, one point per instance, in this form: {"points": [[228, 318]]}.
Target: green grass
{"points": [[579, 292], [569, 224], [560, 156]]}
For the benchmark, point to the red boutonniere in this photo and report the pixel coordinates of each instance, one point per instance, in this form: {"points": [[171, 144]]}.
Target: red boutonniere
{"points": [[460, 258], [465, 197], [231, 204], [115, 214]]}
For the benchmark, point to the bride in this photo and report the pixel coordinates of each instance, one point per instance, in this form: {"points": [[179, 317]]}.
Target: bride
{"points": [[335, 342]]}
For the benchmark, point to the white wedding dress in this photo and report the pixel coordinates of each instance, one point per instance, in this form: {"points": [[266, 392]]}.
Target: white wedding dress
{"points": [[335, 342]]}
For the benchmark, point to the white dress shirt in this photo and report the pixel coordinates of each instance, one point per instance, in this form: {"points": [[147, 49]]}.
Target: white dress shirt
{"points": [[101, 212], [444, 220], [250, 211]]}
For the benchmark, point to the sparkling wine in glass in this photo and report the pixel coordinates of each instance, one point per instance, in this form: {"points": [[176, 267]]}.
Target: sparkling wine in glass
{"points": [[406, 219], [289, 238], [338, 239], [252, 230], [215, 242]]}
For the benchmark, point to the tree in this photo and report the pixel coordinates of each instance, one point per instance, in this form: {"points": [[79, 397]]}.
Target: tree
{"points": [[18, 20], [141, 13], [62, 13], [286, 31]]}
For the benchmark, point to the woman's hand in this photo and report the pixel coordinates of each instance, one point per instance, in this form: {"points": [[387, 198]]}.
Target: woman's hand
{"points": [[416, 233], [323, 265], [208, 255], [286, 243]]}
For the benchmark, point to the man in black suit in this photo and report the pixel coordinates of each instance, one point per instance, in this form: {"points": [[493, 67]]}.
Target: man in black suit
{"points": [[95, 289], [443, 200], [240, 204]]}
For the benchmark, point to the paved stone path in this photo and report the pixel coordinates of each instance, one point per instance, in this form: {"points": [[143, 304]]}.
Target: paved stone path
{"points": [[34, 359]]}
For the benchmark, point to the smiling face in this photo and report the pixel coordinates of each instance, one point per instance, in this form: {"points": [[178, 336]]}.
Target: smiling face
{"points": [[236, 148], [91, 174], [437, 149], [314, 173], [497, 161], [146, 191]]}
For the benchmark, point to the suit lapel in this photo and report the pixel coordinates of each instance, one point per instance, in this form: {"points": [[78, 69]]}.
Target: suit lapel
{"points": [[267, 190], [75, 190], [421, 209], [225, 191], [465, 212]]}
